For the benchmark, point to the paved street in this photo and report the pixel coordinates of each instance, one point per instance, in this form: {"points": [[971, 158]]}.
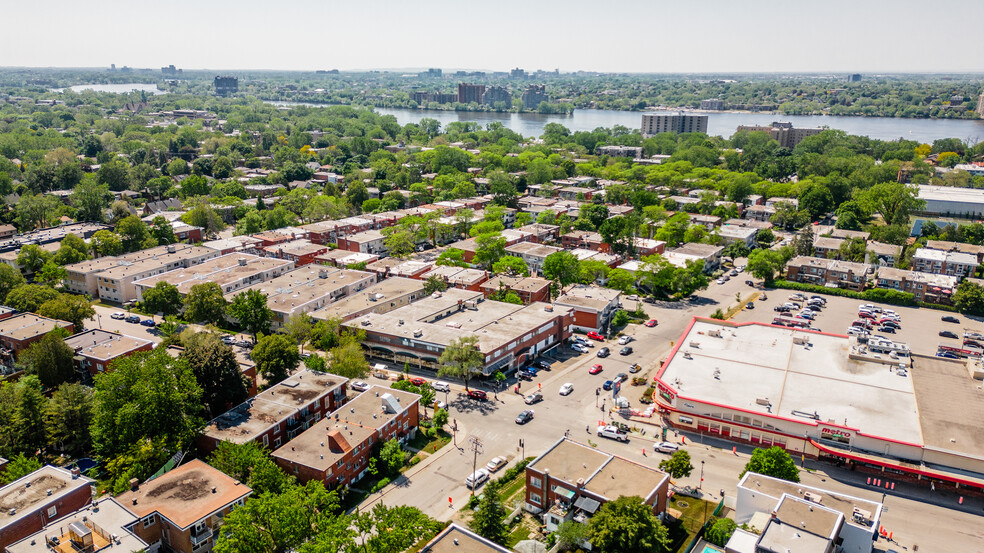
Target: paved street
{"points": [[428, 486]]}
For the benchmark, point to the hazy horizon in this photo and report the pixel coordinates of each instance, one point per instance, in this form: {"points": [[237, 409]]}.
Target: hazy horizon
{"points": [[715, 37]]}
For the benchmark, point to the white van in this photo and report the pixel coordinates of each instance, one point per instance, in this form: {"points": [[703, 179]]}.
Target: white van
{"points": [[476, 479]]}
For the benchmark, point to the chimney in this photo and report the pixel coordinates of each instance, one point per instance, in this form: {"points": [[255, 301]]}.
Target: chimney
{"points": [[134, 486], [213, 489]]}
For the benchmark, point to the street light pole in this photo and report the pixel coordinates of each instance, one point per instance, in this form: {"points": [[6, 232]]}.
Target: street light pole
{"points": [[700, 485]]}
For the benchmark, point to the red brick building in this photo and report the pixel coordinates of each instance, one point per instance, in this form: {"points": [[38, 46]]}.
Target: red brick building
{"points": [[95, 349], [530, 289], [29, 503], [301, 252], [20, 331], [337, 449]]}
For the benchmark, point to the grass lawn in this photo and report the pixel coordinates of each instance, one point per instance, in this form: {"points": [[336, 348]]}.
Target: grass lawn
{"points": [[691, 519], [428, 444]]}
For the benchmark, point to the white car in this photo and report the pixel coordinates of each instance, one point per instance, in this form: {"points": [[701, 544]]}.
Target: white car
{"points": [[579, 348], [613, 433], [119, 315], [566, 389], [665, 447], [495, 464], [441, 386], [806, 314], [855, 331], [720, 281], [360, 386], [624, 340]]}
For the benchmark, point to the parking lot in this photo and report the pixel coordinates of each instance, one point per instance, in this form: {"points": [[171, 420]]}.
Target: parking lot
{"points": [[920, 326]]}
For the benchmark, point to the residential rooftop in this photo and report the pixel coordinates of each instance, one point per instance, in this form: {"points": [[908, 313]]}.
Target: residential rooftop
{"points": [[376, 298], [21, 497], [103, 344], [28, 325], [226, 271], [310, 287], [106, 520]]}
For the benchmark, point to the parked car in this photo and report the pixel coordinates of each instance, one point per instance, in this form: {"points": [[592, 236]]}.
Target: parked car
{"points": [[819, 298], [948, 334], [607, 385], [476, 478], [636, 367], [525, 417], [720, 281], [888, 329], [651, 323], [528, 372], [495, 464], [665, 447], [533, 397], [595, 336], [805, 314], [148, 322], [542, 365], [604, 352], [417, 381], [441, 386], [782, 309], [750, 283], [579, 348], [866, 315], [595, 369], [632, 297], [133, 319], [797, 297], [734, 272], [478, 394], [856, 331], [624, 340], [749, 305], [972, 335], [118, 315], [892, 324], [621, 377], [566, 389], [947, 355], [649, 299], [229, 340], [613, 433], [360, 386], [870, 307], [949, 319]]}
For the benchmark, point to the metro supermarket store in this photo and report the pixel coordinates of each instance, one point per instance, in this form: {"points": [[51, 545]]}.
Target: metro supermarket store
{"points": [[826, 396]]}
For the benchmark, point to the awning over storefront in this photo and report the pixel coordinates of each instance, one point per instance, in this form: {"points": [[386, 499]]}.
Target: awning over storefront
{"points": [[908, 468]]}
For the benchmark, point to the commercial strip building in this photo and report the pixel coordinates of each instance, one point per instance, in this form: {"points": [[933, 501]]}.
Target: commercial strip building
{"points": [[571, 480], [111, 278], [508, 335], [231, 272], [95, 349], [182, 509], [279, 413], [655, 123], [592, 307], [790, 515], [952, 201], [336, 449], [381, 297], [307, 289], [98, 526], [863, 402], [31, 502]]}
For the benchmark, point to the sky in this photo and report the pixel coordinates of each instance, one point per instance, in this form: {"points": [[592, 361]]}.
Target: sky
{"points": [[638, 36]]}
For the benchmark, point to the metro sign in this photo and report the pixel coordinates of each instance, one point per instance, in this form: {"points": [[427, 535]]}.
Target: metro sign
{"points": [[832, 433]]}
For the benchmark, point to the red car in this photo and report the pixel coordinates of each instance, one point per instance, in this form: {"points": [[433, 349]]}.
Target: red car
{"points": [[651, 323], [866, 315], [417, 381], [477, 394], [595, 369], [595, 336]]}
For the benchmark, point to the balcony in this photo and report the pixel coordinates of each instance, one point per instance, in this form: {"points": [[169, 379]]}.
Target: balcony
{"points": [[200, 536]]}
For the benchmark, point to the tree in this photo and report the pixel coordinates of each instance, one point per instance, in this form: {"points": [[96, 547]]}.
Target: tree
{"points": [[216, 370], [28, 414], [348, 359], [105, 242], [571, 534], [146, 396], [205, 303], [68, 417], [433, 284], [510, 265], [162, 231], [250, 309], [357, 193], [10, 278], [621, 279], [90, 199], [627, 525], [30, 297], [326, 334], [298, 327], [68, 307], [774, 462], [249, 462], [461, 359], [202, 215], [50, 359], [392, 457], [36, 211], [32, 257], [452, 257], [163, 298], [969, 298], [788, 216], [399, 242], [440, 418], [895, 201], [394, 529], [133, 233], [562, 267], [490, 248], [19, 467], [51, 274], [816, 200], [765, 264], [721, 531], [275, 357], [678, 465], [71, 250], [488, 520]]}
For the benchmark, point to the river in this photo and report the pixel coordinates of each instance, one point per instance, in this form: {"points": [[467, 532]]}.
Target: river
{"points": [[121, 88], [718, 123]]}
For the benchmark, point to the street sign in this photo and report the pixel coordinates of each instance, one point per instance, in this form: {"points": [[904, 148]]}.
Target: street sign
{"points": [[616, 388]]}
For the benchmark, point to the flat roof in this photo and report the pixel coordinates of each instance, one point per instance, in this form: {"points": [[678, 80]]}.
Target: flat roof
{"points": [[753, 361], [223, 270], [843, 503], [316, 284], [603, 474], [19, 498], [185, 494], [354, 422], [111, 518], [28, 325], [131, 268], [103, 344], [950, 405], [457, 539], [950, 194], [106, 262], [527, 284], [377, 297], [592, 297], [296, 247]]}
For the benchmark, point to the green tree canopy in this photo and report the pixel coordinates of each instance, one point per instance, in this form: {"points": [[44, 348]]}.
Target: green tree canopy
{"points": [[627, 525], [216, 371], [774, 461], [205, 303], [163, 298], [276, 356], [462, 359], [50, 359], [250, 309]]}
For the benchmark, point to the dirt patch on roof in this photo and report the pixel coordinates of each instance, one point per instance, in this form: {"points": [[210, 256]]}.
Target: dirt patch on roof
{"points": [[189, 488], [29, 495]]}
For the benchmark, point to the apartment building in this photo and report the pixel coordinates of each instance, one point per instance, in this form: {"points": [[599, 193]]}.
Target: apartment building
{"points": [[328, 232], [381, 297], [532, 254], [336, 450], [301, 252], [582, 239], [655, 123], [592, 307], [885, 255], [541, 233], [22, 330], [308, 289], [529, 289], [761, 213], [692, 252], [345, 258], [571, 481], [927, 287], [458, 277], [827, 246], [369, 241], [785, 134], [828, 272], [102, 525], [31, 502], [631, 152], [941, 262], [182, 509], [279, 413], [957, 247], [235, 244], [737, 235], [84, 277], [231, 272], [95, 349], [470, 93]]}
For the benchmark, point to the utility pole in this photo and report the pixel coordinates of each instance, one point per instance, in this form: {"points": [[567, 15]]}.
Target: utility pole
{"points": [[476, 447], [700, 485]]}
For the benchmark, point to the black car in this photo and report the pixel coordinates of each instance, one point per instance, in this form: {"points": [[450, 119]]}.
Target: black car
{"points": [[523, 374], [525, 417], [621, 377], [542, 365], [750, 305], [949, 319], [888, 329], [132, 319], [627, 350], [948, 334], [607, 385], [782, 309], [604, 352], [892, 324]]}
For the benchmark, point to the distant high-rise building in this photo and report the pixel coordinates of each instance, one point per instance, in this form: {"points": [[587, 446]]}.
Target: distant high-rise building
{"points": [[656, 123], [433, 73], [495, 94], [468, 93], [855, 78], [533, 95], [171, 71], [712, 104], [784, 133], [518, 73], [112, 67], [225, 86]]}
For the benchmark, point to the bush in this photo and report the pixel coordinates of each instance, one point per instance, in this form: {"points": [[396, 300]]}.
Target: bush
{"points": [[881, 295], [647, 395], [718, 314], [720, 532], [379, 485]]}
